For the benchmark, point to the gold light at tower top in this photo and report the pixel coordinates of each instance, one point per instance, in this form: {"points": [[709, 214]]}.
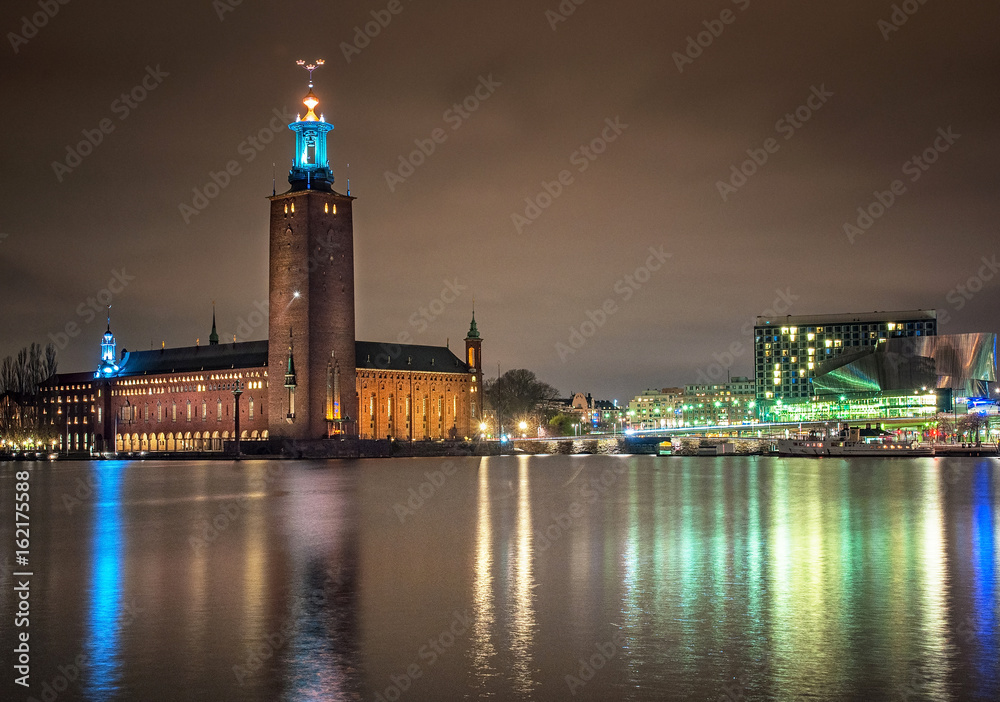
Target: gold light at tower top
{"points": [[310, 100]]}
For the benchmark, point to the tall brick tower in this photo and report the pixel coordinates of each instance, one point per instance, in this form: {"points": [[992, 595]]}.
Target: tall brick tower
{"points": [[311, 365], [474, 358]]}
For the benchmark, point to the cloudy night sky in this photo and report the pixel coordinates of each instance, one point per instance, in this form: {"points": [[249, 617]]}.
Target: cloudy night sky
{"points": [[874, 96]]}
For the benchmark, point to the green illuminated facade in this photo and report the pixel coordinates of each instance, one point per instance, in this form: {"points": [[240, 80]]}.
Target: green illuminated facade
{"points": [[857, 407]]}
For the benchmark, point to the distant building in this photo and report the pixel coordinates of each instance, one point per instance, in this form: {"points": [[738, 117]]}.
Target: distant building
{"points": [[914, 377], [787, 350], [656, 409], [720, 404], [597, 414]]}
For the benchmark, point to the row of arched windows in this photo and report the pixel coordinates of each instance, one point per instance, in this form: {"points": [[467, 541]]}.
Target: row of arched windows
{"points": [[130, 413]]}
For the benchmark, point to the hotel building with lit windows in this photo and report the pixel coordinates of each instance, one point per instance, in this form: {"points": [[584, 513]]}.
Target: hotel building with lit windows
{"points": [[787, 350], [860, 367]]}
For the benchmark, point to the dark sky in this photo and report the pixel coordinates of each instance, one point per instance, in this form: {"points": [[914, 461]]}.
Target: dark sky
{"points": [[63, 237]]}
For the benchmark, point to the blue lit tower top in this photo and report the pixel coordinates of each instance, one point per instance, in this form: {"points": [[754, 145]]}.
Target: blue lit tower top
{"points": [[310, 167], [108, 367]]}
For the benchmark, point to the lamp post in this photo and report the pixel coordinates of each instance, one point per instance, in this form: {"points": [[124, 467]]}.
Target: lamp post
{"points": [[237, 391]]}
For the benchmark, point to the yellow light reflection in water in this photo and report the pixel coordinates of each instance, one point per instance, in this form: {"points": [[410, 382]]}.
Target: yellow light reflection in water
{"points": [[632, 610], [523, 616], [932, 562], [482, 650]]}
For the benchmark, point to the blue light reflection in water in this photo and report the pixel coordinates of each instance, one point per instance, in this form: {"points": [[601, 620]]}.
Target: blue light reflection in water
{"points": [[103, 622], [983, 567]]}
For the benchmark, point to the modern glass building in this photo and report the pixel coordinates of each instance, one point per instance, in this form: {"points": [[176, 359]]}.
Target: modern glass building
{"points": [[911, 377], [788, 350]]}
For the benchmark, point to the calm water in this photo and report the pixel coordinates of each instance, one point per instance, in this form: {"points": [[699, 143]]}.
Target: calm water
{"points": [[544, 578]]}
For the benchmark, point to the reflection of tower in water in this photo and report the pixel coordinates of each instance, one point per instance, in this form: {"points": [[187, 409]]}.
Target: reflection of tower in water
{"points": [[321, 625]]}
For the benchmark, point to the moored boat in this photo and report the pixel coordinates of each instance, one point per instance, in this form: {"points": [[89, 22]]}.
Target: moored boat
{"points": [[851, 442]]}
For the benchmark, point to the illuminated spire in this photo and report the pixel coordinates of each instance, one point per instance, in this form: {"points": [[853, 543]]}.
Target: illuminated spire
{"points": [[310, 99], [473, 329], [310, 167], [107, 366]]}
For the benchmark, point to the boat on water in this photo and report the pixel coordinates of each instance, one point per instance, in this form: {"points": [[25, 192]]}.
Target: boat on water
{"points": [[851, 442]]}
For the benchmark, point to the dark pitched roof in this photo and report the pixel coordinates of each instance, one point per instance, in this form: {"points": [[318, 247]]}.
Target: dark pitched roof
{"points": [[68, 379], [374, 355], [253, 354], [247, 354]]}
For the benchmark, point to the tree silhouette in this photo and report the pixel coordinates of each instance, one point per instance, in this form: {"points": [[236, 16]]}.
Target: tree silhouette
{"points": [[20, 401], [517, 394]]}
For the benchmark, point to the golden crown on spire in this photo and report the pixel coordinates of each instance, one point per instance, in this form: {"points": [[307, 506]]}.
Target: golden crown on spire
{"points": [[310, 100]]}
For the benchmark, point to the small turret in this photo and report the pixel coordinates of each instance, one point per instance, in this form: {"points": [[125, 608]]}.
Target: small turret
{"points": [[290, 371], [108, 365], [213, 338]]}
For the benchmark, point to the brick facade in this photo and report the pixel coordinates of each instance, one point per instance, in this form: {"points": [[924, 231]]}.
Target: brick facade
{"points": [[181, 399]]}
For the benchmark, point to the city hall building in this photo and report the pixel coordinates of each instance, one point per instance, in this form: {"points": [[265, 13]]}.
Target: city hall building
{"points": [[310, 379]]}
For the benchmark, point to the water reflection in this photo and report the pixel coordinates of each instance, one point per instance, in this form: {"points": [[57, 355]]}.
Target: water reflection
{"points": [[320, 626], [521, 583], [482, 650], [930, 559], [984, 557], [730, 579], [105, 591]]}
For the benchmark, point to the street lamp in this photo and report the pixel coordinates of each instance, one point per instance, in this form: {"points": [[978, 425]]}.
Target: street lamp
{"points": [[237, 391], [523, 426]]}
